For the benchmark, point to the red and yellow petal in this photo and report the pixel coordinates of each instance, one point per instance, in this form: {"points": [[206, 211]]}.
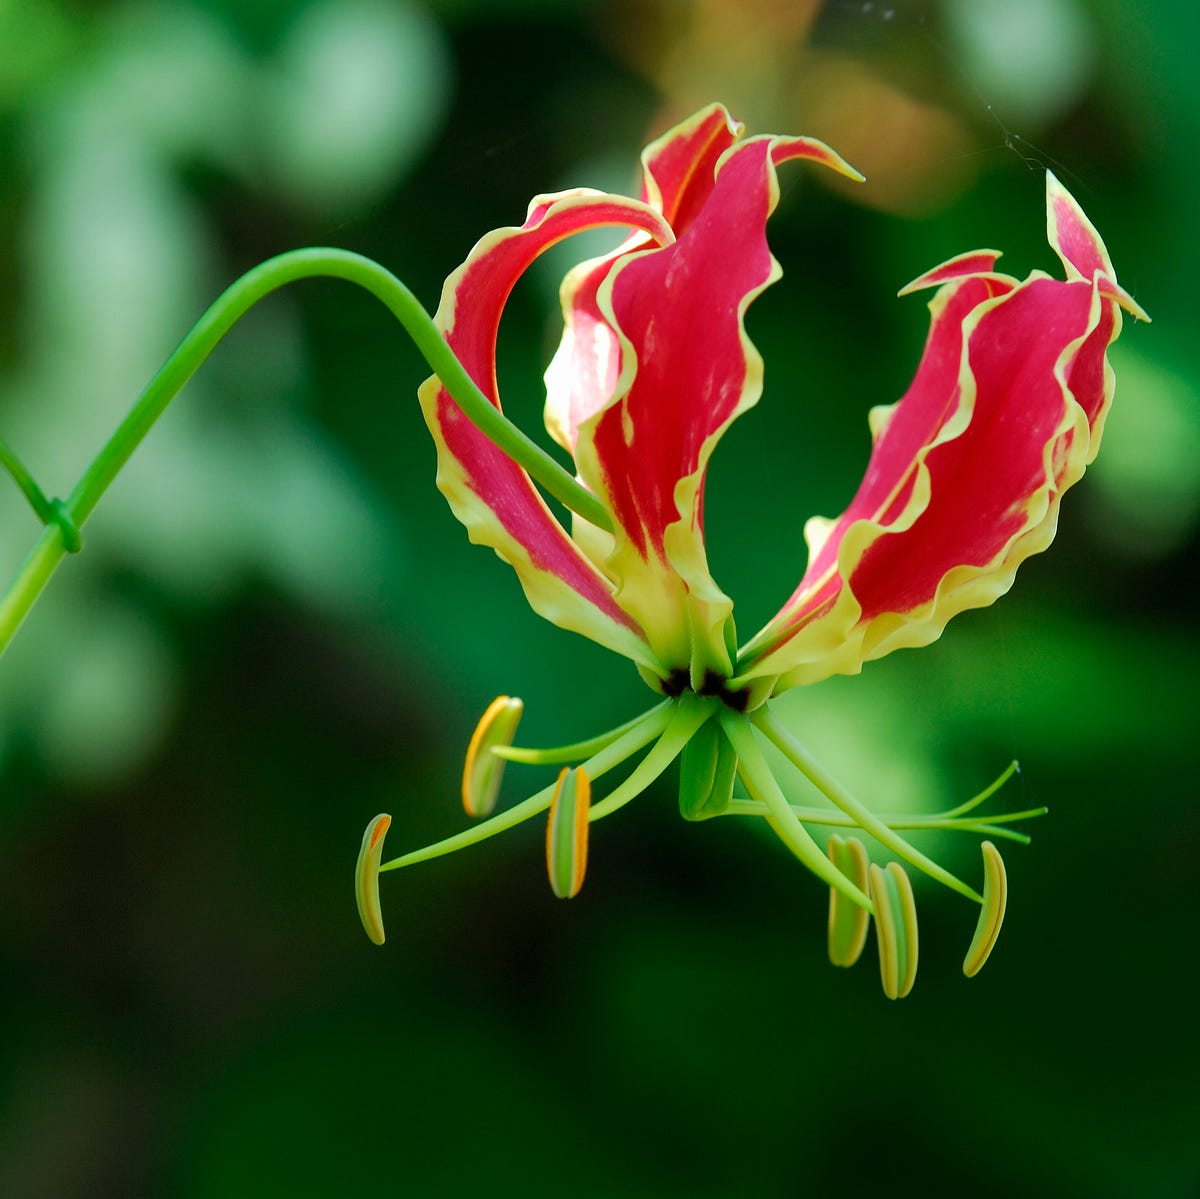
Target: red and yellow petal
{"points": [[1073, 236], [487, 491], [967, 471], [679, 170], [962, 266], [687, 369], [678, 175], [1078, 246]]}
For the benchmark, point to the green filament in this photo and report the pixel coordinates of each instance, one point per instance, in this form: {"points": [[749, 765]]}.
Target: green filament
{"points": [[559, 754], [862, 815], [653, 724], [760, 782]]}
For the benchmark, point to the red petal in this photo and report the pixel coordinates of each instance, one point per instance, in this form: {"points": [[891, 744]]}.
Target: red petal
{"points": [[976, 262], [688, 369], [1073, 236], [678, 174], [488, 492], [967, 471], [983, 482], [679, 170], [1078, 245], [975, 491]]}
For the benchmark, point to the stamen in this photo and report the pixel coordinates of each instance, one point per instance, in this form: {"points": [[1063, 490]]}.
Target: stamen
{"points": [[567, 833], [847, 922], [760, 782], [366, 877], [895, 929], [484, 768], [1014, 767], [831, 818], [580, 749], [995, 900], [866, 819], [651, 725]]}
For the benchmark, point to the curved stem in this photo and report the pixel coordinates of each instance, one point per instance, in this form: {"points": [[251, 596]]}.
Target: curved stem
{"points": [[221, 316]]}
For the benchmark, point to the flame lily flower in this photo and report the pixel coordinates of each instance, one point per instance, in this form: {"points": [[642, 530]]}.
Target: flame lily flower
{"points": [[963, 483]]}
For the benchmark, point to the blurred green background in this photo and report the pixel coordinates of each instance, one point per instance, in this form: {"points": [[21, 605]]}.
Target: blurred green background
{"points": [[277, 629]]}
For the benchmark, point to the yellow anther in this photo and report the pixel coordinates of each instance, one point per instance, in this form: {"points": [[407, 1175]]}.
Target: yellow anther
{"points": [[366, 877], [567, 832], [895, 929], [991, 916], [483, 771], [847, 921]]}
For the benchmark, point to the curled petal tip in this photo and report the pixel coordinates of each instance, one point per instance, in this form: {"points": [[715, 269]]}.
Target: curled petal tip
{"points": [[837, 163], [735, 127], [567, 833], [483, 770], [785, 148], [366, 877], [1074, 238], [895, 929], [1078, 243], [991, 916], [974, 262], [847, 921], [1111, 290]]}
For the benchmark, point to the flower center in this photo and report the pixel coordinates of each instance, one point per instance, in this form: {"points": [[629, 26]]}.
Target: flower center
{"points": [[679, 681]]}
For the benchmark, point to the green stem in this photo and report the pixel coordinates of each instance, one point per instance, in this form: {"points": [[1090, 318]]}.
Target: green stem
{"points": [[24, 480], [837, 794], [223, 314]]}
